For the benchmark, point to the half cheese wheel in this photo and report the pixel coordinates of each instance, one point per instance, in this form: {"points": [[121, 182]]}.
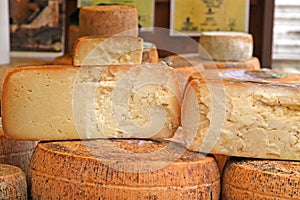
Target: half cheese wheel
{"points": [[106, 21], [13, 183], [65, 102], [261, 179], [226, 46], [122, 169], [243, 113]]}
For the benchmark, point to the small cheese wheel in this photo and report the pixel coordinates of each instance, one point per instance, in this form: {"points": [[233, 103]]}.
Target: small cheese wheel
{"points": [[106, 21], [226, 46], [122, 169], [13, 183], [150, 54], [261, 179]]}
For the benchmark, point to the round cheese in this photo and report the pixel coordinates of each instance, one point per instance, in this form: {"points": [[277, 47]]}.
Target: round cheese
{"points": [[261, 179], [122, 169], [226, 46], [106, 21], [150, 54], [74, 34], [12, 182]]}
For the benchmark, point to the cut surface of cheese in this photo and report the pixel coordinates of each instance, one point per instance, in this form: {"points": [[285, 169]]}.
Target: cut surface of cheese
{"points": [[226, 46], [261, 179], [106, 21], [64, 102], [122, 169], [117, 50], [244, 113], [13, 183], [150, 54]]}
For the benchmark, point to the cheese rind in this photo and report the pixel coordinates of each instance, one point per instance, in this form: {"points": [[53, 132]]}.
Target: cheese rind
{"points": [[117, 50], [64, 102], [256, 118], [261, 179], [12, 182], [226, 46], [122, 169], [106, 21]]}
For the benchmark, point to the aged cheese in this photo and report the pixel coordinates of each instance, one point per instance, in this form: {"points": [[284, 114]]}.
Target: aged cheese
{"points": [[12, 183], [74, 34], [188, 60], [116, 50], [65, 102], [261, 179], [122, 169], [150, 54], [244, 113], [226, 46], [106, 21]]}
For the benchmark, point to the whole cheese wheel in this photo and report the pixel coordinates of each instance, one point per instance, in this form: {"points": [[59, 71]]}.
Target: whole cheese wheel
{"points": [[258, 117], [66, 102], [226, 46], [13, 183], [261, 179], [106, 21], [150, 54], [122, 169]]}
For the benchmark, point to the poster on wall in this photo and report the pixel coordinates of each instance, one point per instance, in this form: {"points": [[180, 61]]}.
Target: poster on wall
{"points": [[145, 9], [36, 28], [191, 17]]}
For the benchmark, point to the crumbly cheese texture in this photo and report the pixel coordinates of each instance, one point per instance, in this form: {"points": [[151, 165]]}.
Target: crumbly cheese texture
{"points": [[117, 50], [150, 54], [122, 169], [243, 118], [13, 183], [63, 102], [108, 20], [226, 46], [261, 179]]}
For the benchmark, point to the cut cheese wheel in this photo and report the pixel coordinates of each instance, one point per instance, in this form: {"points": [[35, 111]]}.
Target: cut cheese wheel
{"points": [[226, 46], [74, 34], [261, 179], [117, 50], [188, 60], [150, 54], [106, 21], [65, 102], [13, 183], [244, 113], [122, 169]]}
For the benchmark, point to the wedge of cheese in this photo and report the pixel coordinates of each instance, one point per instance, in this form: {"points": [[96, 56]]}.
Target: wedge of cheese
{"points": [[226, 46], [244, 113], [13, 183], [150, 54], [122, 169], [64, 102], [109, 20], [117, 50], [261, 179]]}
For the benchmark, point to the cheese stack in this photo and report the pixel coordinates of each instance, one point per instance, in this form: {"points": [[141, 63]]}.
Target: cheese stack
{"points": [[244, 113], [64, 102], [122, 169], [261, 179], [12, 183]]}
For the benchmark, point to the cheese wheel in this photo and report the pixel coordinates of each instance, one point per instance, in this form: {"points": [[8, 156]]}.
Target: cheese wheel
{"points": [[116, 50], [188, 60], [258, 117], [226, 46], [12, 182], [150, 54], [74, 34], [122, 169], [65, 102], [261, 179], [106, 21]]}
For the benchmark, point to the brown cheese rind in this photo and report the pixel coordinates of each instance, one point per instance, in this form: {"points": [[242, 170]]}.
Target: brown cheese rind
{"points": [[122, 169], [261, 179]]}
